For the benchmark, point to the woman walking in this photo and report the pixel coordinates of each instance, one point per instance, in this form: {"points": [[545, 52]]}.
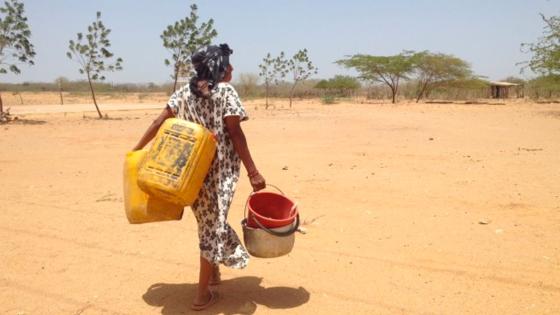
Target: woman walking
{"points": [[211, 101]]}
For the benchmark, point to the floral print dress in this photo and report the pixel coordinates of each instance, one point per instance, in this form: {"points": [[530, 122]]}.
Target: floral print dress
{"points": [[218, 242]]}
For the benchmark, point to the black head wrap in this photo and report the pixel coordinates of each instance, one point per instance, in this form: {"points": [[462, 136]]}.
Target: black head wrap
{"points": [[210, 63]]}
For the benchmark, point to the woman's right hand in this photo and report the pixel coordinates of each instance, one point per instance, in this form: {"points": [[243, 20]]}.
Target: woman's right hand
{"points": [[257, 181]]}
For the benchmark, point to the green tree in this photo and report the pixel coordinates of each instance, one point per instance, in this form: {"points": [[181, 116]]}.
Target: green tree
{"points": [[273, 70], [545, 86], [15, 47], [546, 51], [323, 84], [60, 83], [183, 38], [341, 85], [92, 54], [301, 68], [434, 70], [389, 70]]}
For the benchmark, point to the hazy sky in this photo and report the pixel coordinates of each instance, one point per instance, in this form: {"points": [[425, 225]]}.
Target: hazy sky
{"points": [[486, 33]]}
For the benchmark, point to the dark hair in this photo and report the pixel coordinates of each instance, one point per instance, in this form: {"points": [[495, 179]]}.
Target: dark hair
{"points": [[210, 63]]}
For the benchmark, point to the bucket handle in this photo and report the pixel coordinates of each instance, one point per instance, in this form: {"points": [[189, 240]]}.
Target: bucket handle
{"points": [[253, 192], [276, 188], [275, 233], [287, 233]]}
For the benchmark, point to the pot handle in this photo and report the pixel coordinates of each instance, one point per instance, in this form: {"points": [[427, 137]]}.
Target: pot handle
{"points": [[269, 231]]}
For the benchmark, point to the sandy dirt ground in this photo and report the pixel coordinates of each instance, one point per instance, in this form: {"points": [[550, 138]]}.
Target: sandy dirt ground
{"points": [[409, 209], [17, 99]]}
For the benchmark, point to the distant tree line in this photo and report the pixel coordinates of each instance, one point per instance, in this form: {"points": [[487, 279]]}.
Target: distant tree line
{"points": [[82, 86], [409, 75], [249, 86]]}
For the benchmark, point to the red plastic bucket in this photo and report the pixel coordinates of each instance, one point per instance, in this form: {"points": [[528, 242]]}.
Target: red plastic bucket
{"points": [[271, 209]]}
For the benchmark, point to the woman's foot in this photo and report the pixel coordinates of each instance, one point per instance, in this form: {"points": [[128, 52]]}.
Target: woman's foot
{"points": [[215, 278], [203, 302]]}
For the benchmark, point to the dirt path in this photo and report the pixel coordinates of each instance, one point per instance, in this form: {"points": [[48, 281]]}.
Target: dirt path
{"points": [[415, 209]]}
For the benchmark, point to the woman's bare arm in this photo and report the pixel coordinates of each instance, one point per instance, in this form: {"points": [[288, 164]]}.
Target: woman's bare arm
{"points": [[153, 129], [237, 136]]}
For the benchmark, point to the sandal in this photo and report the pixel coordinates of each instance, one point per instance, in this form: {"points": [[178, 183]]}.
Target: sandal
{"points": [[214, 296]]}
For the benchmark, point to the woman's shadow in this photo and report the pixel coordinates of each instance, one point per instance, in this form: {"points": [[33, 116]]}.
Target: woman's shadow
{"points": [[237, 296]]}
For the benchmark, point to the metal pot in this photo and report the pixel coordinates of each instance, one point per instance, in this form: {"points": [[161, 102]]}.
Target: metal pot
{"points": [[269, 243]]}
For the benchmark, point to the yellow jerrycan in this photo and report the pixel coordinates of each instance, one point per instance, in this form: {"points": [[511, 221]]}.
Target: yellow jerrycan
{"points": [[178, 162], [139, 206]]}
